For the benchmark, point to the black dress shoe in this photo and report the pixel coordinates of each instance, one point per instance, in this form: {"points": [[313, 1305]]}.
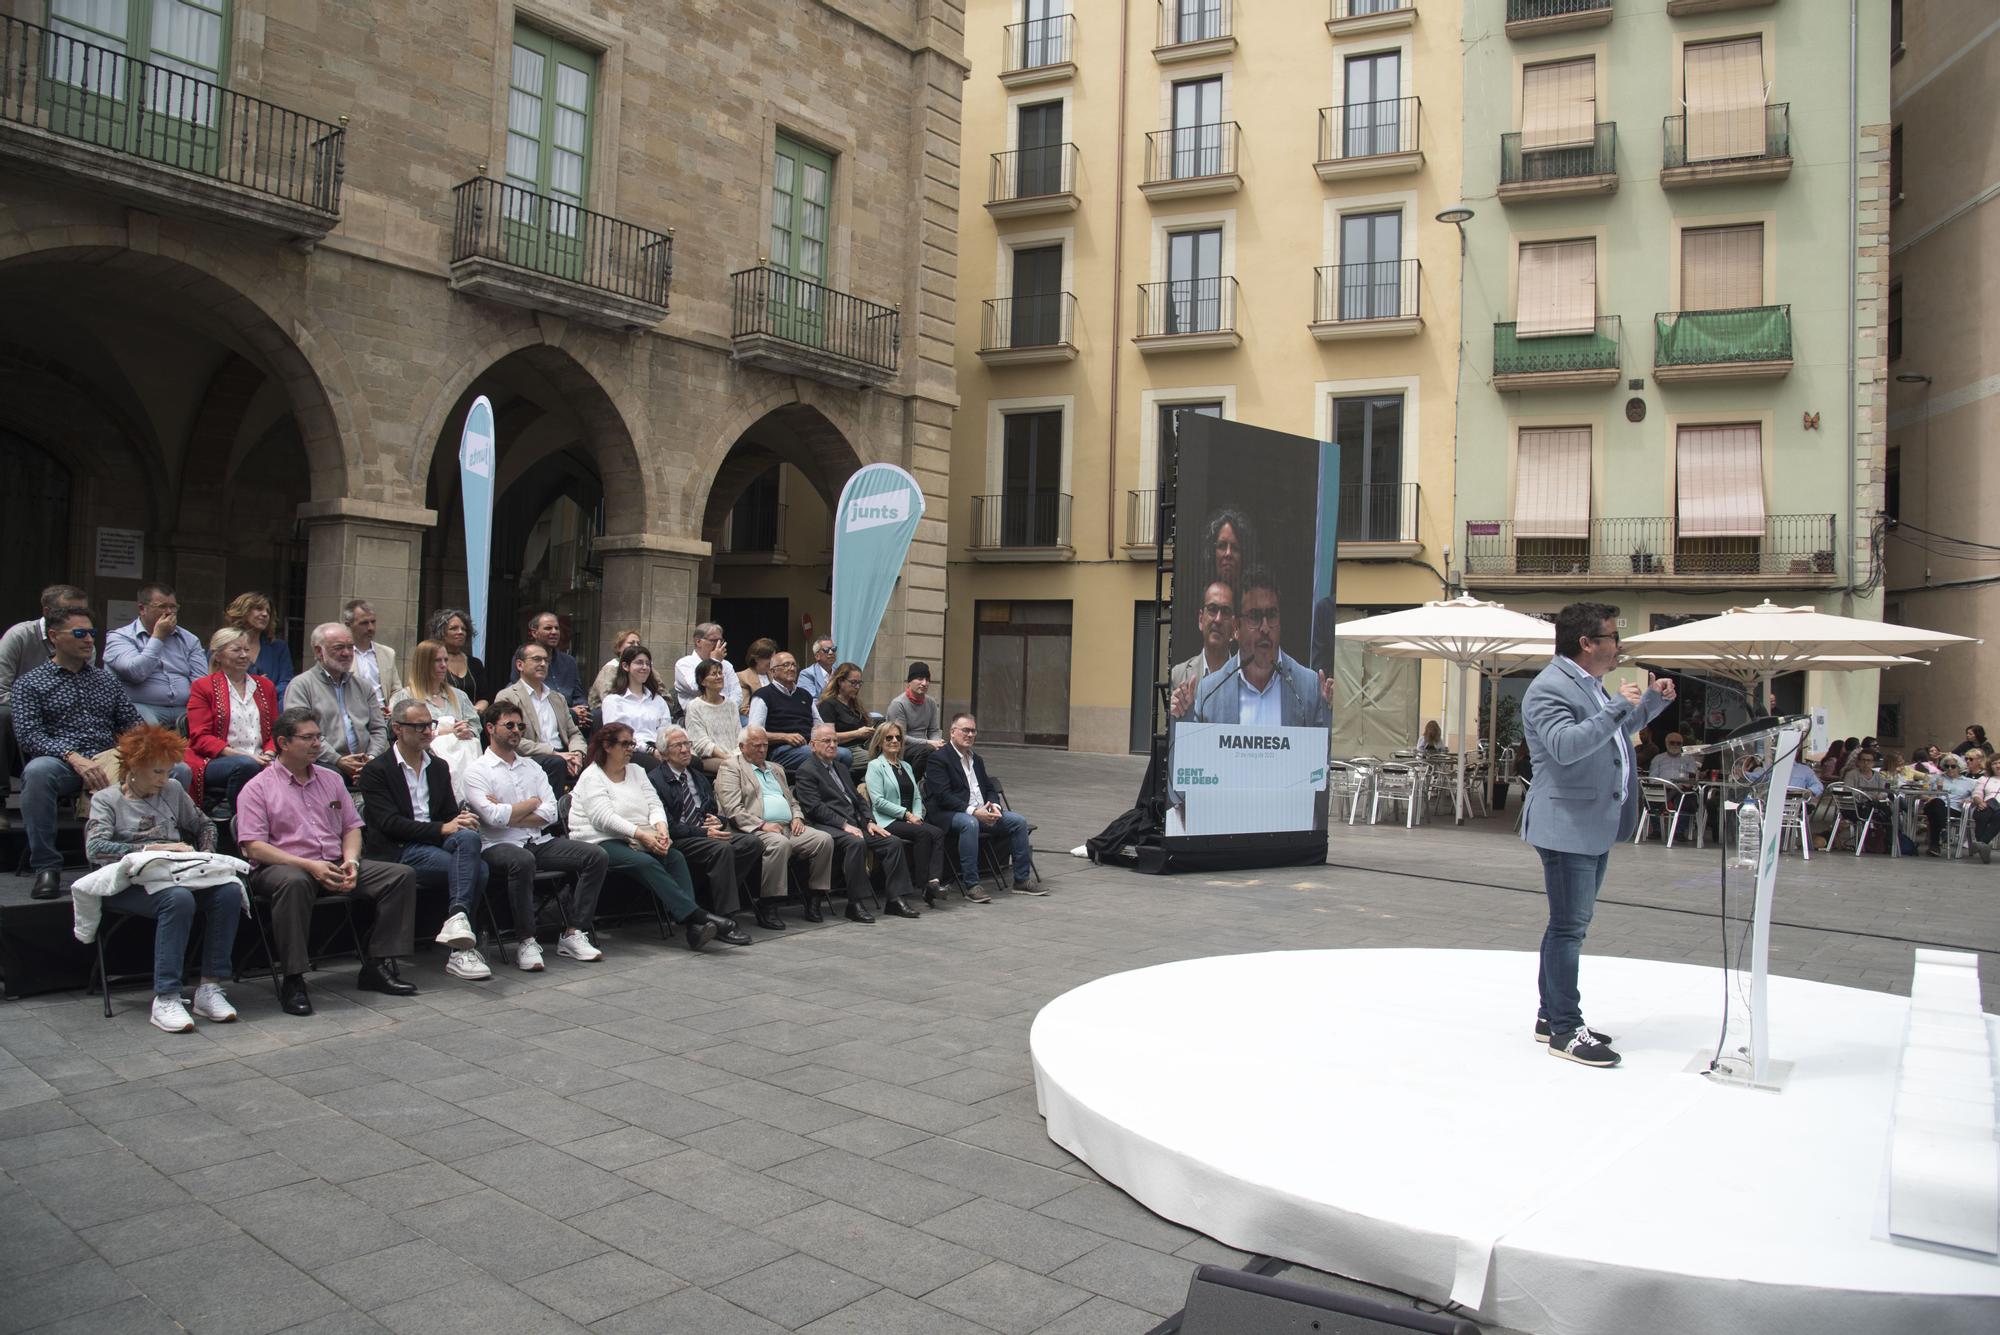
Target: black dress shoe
{"points": [[931, 893], [896, 908], [728, 932], [48, 884], [855, 913], [379, 976], [767, 917], [292, 995], [813, 913], [698, 931]]}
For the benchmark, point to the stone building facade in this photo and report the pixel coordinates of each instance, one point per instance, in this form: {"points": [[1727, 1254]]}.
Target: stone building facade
{"points": [[248, 307]]}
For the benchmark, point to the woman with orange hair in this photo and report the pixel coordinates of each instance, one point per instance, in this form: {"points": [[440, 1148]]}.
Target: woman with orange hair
{"points": [[148, 811]]}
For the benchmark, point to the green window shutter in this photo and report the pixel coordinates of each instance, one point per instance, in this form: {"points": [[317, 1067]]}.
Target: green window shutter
{"points": [[801, 203]]}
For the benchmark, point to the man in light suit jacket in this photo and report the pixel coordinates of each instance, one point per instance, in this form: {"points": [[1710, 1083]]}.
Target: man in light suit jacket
{"points": [[1585, 798], [753, 795], [549, 737]]}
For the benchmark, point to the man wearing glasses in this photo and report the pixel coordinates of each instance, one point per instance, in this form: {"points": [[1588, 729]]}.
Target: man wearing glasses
{"points": [[708, 643], [1262, 685], [549, 735], [1216, 620], [158, 661], [1585, 798]]}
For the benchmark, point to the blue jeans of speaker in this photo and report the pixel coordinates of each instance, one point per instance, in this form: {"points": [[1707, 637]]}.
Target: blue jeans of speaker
{"points": [[1572, 881]]}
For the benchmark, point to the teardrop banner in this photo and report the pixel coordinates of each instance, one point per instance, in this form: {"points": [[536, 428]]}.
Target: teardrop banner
{"points": [[877, 519], [477, 451]]}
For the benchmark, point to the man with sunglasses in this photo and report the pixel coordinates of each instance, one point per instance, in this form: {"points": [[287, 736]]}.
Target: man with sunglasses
{"points": [[1585, 797], [24, 648]]}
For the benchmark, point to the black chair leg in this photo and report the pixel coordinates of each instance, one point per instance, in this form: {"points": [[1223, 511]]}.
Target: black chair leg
{"points": [[103, 973]]}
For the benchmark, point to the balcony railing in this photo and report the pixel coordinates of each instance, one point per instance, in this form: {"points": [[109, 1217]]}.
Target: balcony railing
{"points": [[1028, 175], [1528, 16], [1020, 519], [1557, 355], [1377, 512], [1535, 170], [1798, 547], [539, 234], [90, 95], [1187, 22], [1727, 138], [787, 323], [1184, 306], [1142, 518], [1379, 290], [1339, 11], [1363, 130], [1043, 322], [1192, 153], [755, 531], [1038, 44], [1758, 336]]}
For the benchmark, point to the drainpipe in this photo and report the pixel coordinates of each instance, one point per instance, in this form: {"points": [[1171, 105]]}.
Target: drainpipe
{"points": [[1117, 287], [1853, 287]]}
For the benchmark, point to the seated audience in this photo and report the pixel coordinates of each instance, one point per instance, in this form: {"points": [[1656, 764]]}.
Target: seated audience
{"points": [[230, 712], [411, 816], [714, 725], [825, 786], [898, 806], [427, 677], [549, 737], [1835, 761], [565, 678], [299, 828], [708, 644], [917, 713], [725, 862], [601, 683], [147, 811], [1672, 765], [1803, 778], [1984, 769], [961, 799], [815, 676], [638, 700], [1432, 741], [616, 809], [516, 806], [1870, 787], [453, 628], [756, 674], [752, 794], [785, 711], [24, 647], [373, 663], [1956, 789], [156, 660], [840, 705], [351, 727], [1927, 758], [270, 656]]}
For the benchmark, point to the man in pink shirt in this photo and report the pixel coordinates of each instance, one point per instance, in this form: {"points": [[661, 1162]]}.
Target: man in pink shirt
{"points": [[299, 828]]}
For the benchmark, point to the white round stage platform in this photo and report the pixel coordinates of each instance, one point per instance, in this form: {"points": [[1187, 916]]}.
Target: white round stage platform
{"points": [[1386, 1115]]}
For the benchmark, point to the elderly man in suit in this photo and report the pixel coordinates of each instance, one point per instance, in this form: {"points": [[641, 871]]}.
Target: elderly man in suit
{"points": [[549, 736], [1585, 798], [753, 795], [826, 787], [725, 862], [1261, 683]]}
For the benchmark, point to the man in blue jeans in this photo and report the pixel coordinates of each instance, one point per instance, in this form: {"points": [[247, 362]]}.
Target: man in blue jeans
{"points": [[1585, 798], [961, 798]]}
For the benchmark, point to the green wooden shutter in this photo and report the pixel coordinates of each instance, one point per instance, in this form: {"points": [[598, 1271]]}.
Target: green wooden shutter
{"points": [[550, 89]]}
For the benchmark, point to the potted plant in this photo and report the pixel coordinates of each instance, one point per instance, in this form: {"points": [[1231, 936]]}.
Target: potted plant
{"points": [[1823, 561]]}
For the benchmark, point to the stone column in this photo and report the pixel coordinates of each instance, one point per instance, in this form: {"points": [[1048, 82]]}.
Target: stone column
{"points": [[366, 549], [652, 581]]}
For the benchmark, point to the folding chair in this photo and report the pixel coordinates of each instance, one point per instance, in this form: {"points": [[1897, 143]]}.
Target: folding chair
{"points": [[109, 922], [1797, 821], [998, 858], [313, 957]]}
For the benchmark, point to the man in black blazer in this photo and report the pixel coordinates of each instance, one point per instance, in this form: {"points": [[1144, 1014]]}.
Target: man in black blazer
{"points": [[825, 788], [727, 863], [961, 799], [410, 815]]}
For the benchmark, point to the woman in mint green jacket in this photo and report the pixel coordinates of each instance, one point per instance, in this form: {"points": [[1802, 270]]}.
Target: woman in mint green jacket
{"points": [[899, 806]]}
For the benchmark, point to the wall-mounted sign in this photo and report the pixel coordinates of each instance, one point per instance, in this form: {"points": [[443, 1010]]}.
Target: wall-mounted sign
{"points": [[121, 553]]}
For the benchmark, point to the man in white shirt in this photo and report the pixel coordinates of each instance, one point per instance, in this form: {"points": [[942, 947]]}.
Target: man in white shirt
{"points": [[708, 643], [1673, 766], [515, 805], [962, 800], [373, 663]]}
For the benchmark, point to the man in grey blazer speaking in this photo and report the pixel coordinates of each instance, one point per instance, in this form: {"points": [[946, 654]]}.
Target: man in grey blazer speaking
{"points": [[1585, 798]]}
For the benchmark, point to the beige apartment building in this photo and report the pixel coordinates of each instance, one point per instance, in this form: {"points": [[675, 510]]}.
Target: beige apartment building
{"points": [[1944, 362], [1193, 206], [257, 257]]}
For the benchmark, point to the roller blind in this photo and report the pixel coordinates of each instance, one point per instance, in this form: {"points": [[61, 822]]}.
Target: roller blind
{"points": [[1725, 99], [1558, 103], [1552, 483], [1722, 268], [1558, 289], [1719, 471]]}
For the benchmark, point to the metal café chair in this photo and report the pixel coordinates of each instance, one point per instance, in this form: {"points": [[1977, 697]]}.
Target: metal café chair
{"points": [[1344, 786], [1797, 821], [1661, 803], [1848, 811], [1397, 783]]}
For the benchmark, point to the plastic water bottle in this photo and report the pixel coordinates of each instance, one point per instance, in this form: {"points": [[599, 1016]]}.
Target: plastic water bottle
{"points": [[1749, 833]]}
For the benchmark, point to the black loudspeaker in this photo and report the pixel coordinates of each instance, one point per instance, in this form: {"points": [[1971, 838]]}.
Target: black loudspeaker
{"points": [[1236, 1302]]}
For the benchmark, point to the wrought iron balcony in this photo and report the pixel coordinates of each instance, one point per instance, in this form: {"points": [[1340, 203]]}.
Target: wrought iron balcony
{"points": [[1032, 180], [1751, 343], [1588, 167], [1195, 29], [1347, 17], [1192, 160], [526, 249], [1793, 550], [1379, 513], [1369, 139], [1187, 314], [164, 138], [1688, 8], [1723, 149], [784, 323], [1038, 50], [1374, 300], [1042, 328], [1555, 361], [1531, 18], [1031, 525]]}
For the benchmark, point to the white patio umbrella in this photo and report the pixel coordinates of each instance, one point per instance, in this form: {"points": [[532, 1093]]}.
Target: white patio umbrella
{"points": [[1463, 631]]}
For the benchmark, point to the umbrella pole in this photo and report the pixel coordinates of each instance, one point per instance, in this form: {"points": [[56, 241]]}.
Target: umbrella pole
{"points": [[1458, 793], [1492, 683]]}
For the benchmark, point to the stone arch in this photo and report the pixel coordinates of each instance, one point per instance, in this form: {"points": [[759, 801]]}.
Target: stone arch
{"points": [[795, 402], [793, 432]]}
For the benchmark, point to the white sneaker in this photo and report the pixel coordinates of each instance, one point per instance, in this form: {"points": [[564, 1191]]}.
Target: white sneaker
{"points": [[210, 1004], [170, 1015], [457, 933], [467, 964], [577, 946], [529, 955]]}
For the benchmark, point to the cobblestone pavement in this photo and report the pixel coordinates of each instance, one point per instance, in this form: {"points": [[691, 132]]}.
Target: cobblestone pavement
{"points": [[831, 1131]]}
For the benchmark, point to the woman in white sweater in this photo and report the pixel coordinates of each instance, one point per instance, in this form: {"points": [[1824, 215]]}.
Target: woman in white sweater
{"points": [[614, 807], [713, 725], [636, 699]]}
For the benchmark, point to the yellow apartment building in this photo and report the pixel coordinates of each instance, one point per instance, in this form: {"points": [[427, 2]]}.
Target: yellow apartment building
{"points": [[1193, 206]]}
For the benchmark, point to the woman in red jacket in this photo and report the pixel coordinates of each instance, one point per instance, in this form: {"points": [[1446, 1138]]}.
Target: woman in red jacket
{"points": [[230, 712]]}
